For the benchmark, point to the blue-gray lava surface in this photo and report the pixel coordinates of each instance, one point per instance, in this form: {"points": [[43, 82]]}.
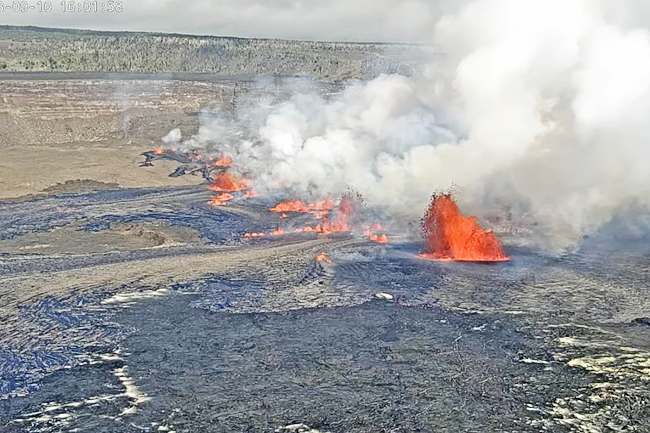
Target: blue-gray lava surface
{"points": [[147, 310]]}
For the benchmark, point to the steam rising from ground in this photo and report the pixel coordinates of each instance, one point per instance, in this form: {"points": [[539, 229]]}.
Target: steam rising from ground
{"points": [[538, 107]]}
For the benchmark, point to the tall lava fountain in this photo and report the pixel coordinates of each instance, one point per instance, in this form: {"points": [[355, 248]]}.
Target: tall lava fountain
{"points": [[449, 235]]}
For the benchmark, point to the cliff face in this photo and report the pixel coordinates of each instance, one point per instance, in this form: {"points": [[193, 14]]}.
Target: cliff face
{"points": [[39, 49]]}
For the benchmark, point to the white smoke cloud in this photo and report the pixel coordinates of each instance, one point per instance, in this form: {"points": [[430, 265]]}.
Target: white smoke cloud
{"points": [[541, 106], [332, 20]]}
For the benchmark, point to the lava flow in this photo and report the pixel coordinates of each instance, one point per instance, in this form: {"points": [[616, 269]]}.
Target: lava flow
{"points": [[225, 182], [380, 239], [290, 206], [450, 235], [317, 208], [221, 199]]}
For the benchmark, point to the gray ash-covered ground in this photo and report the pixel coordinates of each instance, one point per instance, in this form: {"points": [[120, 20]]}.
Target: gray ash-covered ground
{"points": [[130, 310]]}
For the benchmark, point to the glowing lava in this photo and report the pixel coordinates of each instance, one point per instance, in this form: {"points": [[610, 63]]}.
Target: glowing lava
{"points": [[225, 182], [278, 232], [345, 213], [223, 161], [450, 235], [380, 239], [317, 208], [322, 257], [221, 199], [158, 151], [253, 235], [290, 206]]}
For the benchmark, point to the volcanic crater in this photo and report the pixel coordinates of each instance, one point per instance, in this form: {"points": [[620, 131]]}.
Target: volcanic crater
{"points": [[201, 305]]}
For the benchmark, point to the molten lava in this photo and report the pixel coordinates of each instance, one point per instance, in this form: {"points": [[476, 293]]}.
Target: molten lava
{"points": [[223, 161], [278, 232], [380, 239], [323, 205], [318, 208], [225, 182], [158, 151], [221, 199], [253, 235], [450, 235], [345, 213], [290, 206], [323, 257]]}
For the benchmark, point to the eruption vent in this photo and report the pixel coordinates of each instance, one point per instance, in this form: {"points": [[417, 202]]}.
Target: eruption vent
{"points": [[341, 223], [225, 182], [452, 236], [223, 161]]}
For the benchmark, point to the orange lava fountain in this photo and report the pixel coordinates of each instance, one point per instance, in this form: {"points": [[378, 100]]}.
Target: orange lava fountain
{"points": [[225, 182], [341, 223], [452, 236]]}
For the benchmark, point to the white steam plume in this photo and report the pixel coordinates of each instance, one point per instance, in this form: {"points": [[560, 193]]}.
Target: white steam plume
{"points": [[540, 105]]}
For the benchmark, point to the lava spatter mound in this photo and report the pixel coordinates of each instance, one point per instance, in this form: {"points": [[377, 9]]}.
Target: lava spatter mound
{"points": [[449, 235]]}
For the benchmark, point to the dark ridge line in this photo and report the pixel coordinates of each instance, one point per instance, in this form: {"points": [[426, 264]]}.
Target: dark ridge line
{"points": [[127, 33]]}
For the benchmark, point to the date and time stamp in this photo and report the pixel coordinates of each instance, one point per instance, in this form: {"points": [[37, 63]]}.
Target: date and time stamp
{"points": [[70, 6]]}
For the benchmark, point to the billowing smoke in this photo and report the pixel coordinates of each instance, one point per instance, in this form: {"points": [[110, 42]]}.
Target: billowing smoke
{"points": [[539, 108]]}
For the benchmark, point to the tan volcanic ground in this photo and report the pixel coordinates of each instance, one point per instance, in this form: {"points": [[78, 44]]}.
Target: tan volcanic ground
{"points": [[32, 169], [60, 130]]}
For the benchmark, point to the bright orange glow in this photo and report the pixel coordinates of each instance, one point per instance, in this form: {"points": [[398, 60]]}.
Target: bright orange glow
{"points": [[323, 205], [317, 208], [221, 199], [323, 257], [228, 183], [340, 224], [158, 151], [223, 161], [345, 213], [290, 206], [380, 239], [284, 215], [278, 232], [450, 235], [248, 236]]}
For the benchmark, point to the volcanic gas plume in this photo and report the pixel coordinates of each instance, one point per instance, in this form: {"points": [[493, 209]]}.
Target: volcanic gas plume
{"points": [[449, 235], [534, 108]]}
